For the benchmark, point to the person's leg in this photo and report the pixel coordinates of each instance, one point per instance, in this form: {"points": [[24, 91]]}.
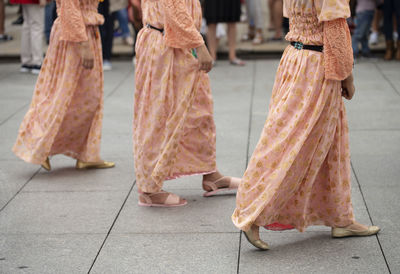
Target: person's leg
{"points": [[369, 17], [3, 36], [388, 28], [271, 14], [26, 57], [397, 13], [278, 17], [122, 17], [106, 30], [258, 20], [37, 34], [49, 19], [232, 41], [2, 17], [373, 38], [357, 34], [251, 22], [212, 40]]}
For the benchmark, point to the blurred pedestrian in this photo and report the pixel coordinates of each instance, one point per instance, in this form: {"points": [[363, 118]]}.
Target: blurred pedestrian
{"points": [[20, 18], [391, 7], [222, 11], [299, 174], [173, 125], [376, 24], [124, 32], [109, 9], [65, 115], [32, 34], [365, 11], [50, 16], [255, 21], [136, 19], [276, 14], [3, 36]]}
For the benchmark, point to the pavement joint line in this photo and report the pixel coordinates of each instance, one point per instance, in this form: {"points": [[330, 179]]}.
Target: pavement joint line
{"points": [[73, 191], [52, 234], [376, 129], [253, 89], [112, 226], [12, 115], [370, 217], [15, 195], [387, 79]]}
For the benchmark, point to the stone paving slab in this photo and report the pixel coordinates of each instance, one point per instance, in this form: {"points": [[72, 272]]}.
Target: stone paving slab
{"points": [[312, 252], [169, 253], [16, 172], [65, 178], [48, 254], [200, 215], [61, 212]]}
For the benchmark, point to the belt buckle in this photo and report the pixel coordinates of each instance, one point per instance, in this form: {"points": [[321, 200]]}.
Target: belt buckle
{"points": [[298, 45]]}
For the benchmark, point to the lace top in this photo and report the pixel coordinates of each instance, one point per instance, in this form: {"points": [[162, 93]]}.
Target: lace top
{"points": [[307, 16], [75, 15], [322, 22], [180, 19]]}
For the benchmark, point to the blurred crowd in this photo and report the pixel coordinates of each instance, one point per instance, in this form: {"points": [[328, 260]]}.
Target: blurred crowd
{"points": [[123, 19]]}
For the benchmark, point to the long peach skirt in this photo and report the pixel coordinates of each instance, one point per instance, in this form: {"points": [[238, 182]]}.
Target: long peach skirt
{"points": [[173, 126], [65, 116], [299, 173]]}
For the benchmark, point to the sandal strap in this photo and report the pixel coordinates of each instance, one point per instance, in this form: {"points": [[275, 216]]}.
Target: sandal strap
{"points": [[234, 182], [172, 199], [146, 197], [213, 184]]}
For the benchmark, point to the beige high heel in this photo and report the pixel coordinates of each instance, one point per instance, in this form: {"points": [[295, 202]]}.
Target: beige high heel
{"points": [[341, 232], [95, 165], [46, 164], [254, 240]]}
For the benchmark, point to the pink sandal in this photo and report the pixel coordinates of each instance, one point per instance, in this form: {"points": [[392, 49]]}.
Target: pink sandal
{"points": [[172, 200], [233, 185]]}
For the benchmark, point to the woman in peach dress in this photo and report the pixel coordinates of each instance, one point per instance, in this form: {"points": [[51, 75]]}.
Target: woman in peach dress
{"points": [[174, 131], [299, 174], [65, 115]]}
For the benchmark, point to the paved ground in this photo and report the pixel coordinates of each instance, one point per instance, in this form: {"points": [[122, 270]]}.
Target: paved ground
{"points": [[68, 221]]}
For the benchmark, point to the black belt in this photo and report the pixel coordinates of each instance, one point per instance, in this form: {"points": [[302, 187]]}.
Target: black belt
{"points": [[300, 46], [152, 27]]}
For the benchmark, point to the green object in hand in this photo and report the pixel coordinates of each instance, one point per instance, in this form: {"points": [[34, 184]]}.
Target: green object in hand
{"points": [[194, 53]]}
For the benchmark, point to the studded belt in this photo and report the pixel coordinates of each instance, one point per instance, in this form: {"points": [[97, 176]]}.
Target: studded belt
{"points": [[300, 46]]}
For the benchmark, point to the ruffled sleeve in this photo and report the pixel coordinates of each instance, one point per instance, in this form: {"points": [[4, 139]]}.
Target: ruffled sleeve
{"points": [[72, 22], [328, 10], [179, 27], [338, 54]]}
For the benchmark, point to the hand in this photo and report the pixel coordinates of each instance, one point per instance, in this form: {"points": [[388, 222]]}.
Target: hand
{"points": [[204, 58], [87, 55], [42, 2], [348, 88]]}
